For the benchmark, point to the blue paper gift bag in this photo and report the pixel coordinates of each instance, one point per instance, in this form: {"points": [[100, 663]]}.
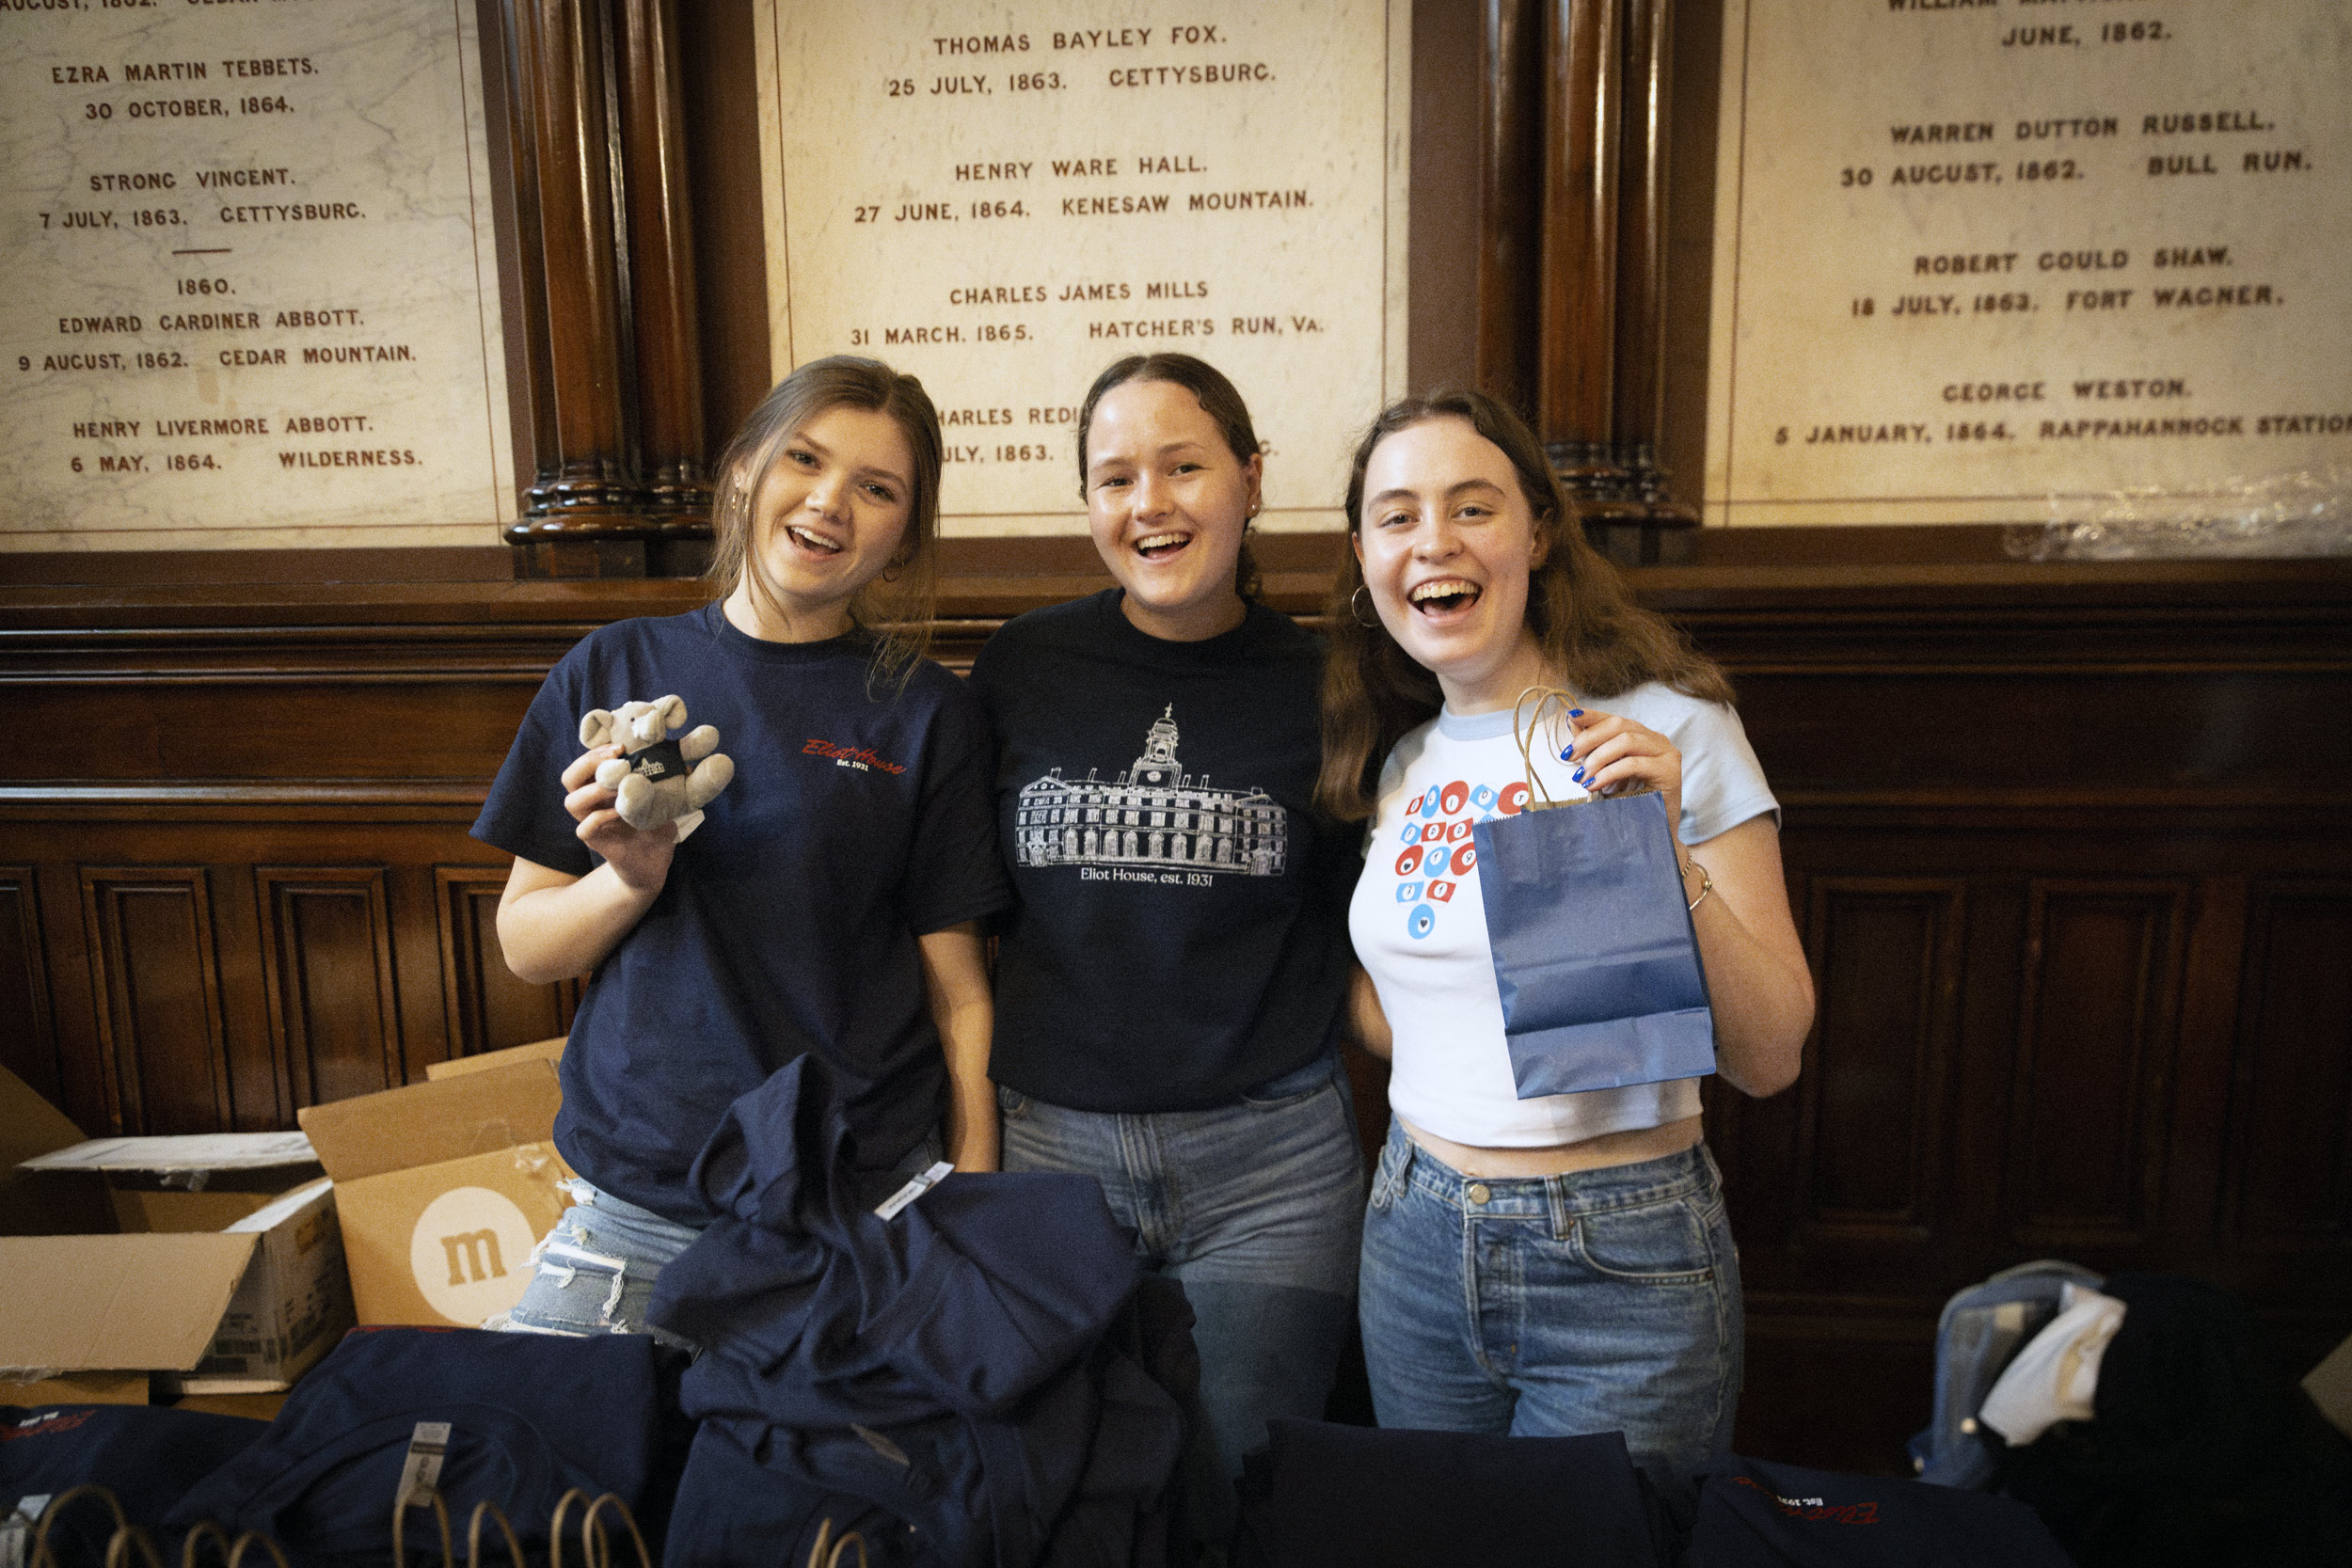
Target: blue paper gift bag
{"points": [[1594, 955]]}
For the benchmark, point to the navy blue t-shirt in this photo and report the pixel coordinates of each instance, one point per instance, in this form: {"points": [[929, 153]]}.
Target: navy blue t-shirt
{"points": [[857, 821], [1179, 934]]}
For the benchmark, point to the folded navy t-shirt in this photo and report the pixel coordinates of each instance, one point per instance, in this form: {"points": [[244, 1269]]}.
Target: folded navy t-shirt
{"points": [[1757, 1514], [1324, 1495], [531, 1417], [148, 1456]]}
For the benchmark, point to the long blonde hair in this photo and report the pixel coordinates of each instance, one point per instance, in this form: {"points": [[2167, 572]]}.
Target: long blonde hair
{"points": [[897, 608], [1591, 631]]}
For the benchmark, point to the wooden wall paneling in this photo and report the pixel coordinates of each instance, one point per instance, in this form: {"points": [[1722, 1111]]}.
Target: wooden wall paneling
{"points": [[251, 1066], [156, 975], [660, 241], [2289, 1181], [326, 964], [419, 977], [28, 1028], [2095, 1035], [2204, 1070], [489, 1008], [1875, 1090]]}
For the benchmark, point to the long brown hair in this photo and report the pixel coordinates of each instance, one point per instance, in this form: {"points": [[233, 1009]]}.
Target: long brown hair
{"points": [[895, 609], [1219, 400], [1590, 632]]}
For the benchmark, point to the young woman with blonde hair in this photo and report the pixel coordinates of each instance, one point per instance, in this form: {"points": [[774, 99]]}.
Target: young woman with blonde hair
{"points": [[829, 903]]}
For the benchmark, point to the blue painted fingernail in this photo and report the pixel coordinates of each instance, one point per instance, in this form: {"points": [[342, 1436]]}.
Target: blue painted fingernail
{"points": [[1576, 713], [1566, 752], [1579, 775]]}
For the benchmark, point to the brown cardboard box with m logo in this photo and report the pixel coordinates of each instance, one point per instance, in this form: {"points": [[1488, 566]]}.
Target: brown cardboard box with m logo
{"points": [[444, 1187]]}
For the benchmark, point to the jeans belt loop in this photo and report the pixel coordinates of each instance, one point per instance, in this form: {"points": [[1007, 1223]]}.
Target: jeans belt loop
{"points": [[1556, 1199]]}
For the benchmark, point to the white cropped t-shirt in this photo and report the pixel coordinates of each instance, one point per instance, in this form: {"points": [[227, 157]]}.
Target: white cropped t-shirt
{"points": [[1418, 921]]}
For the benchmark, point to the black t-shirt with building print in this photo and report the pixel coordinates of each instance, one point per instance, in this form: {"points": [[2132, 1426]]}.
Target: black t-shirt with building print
{"points": [[1179, 931]]}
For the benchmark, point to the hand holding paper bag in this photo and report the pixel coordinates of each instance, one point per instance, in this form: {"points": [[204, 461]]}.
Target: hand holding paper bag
{"points": [[1595, 959]]}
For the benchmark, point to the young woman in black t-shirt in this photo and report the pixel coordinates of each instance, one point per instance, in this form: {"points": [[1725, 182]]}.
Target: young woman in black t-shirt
{"points": [[1170, 978]]}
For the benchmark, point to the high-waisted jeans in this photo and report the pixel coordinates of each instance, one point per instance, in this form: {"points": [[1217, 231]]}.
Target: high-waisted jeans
{"points": [[1599, 1301]]}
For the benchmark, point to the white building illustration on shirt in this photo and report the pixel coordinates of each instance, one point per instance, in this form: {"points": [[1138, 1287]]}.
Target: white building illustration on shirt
{"points": [[1154, 814]]}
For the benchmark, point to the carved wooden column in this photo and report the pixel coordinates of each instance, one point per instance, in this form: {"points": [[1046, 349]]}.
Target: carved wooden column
{"points": [[1510, 238], [614, 381], [1601, 339], [1576, 386], [674, 453], [1640, 305]]}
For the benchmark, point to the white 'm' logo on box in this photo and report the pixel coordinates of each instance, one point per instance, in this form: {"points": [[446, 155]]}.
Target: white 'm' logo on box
{"points": [[467, 1253]]}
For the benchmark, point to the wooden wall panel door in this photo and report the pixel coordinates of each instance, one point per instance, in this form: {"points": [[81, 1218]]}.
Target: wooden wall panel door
{"points": [[2094, 1066], [489, 1008], [2291, 1156], [155, 973], [1875, 1092], [327, 964], [28, 1030]]}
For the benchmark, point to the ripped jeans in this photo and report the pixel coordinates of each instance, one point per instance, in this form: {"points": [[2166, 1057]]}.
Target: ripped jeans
{"points": [[593, 1272]]}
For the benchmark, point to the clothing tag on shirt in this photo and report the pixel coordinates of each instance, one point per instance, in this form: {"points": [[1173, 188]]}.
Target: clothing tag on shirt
{"points": [[16, 1531], [881, 1445], [422, 1474], [914, 1190]]}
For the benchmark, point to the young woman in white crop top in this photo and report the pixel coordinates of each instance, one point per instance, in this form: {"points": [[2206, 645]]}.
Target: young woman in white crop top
{"points": [[1562, 1264]]}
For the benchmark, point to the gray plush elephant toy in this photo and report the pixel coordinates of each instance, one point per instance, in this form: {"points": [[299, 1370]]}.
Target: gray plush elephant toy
{"points": [[657, 779]]}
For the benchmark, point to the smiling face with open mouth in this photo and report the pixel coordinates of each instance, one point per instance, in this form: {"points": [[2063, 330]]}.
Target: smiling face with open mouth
{"points": [[831, 511], [1447, 542], [1167, 501]]}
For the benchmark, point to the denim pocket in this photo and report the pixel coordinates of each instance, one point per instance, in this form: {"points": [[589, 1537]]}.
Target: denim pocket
{"points": [[1012, 1102], [1652, 1244], [1292, 1088], [1388, 1177]]}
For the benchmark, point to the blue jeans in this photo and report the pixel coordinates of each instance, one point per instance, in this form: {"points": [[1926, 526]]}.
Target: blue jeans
{"points": [[1255, 1208], [1600, 1301], [593, 1272]]}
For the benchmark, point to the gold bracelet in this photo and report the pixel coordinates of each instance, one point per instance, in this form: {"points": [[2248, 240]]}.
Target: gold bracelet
{"points": [[1706, 883]]}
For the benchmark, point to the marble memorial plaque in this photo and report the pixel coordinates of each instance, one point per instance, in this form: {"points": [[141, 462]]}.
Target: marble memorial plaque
{"points": [[1995, 261], [253, 296], [1004, 199]]}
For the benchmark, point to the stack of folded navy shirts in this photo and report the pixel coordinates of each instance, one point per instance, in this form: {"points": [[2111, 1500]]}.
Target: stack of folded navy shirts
{"points": [[531, 1417], [981, 1377]]}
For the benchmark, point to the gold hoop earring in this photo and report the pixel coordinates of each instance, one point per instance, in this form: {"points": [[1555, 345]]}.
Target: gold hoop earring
{"points": [[1356, 611]]}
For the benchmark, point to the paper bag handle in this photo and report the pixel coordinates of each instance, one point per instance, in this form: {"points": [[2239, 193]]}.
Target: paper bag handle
{"points": [[1538, 797]]}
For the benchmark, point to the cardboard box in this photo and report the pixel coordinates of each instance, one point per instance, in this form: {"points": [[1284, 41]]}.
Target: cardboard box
{"points": [[443, 1189], [2329, 1385], [484, 1061], [248, 1309], [31, 1204]]}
